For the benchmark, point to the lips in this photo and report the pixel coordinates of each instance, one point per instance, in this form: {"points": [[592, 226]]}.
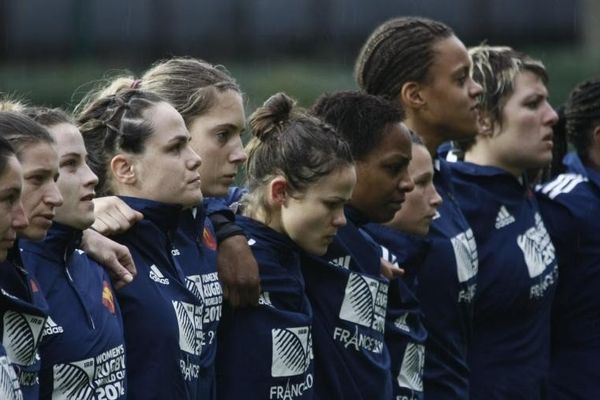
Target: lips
{"points": [[88, 197]]}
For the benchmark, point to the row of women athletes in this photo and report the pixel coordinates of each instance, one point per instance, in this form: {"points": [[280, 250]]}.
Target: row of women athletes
{"points": [[336, 285]]}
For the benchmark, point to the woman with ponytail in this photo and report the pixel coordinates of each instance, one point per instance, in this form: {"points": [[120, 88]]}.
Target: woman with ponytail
{"points": [[570, 206], [299, 176]]}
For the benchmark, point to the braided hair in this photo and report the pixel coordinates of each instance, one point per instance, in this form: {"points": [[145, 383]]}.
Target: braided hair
{"points": [[112, 124], [582, 116], [398, 51]]}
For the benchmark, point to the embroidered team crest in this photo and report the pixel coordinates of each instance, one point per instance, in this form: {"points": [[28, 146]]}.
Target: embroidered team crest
{"points": [[107, 297], [208, 239]]}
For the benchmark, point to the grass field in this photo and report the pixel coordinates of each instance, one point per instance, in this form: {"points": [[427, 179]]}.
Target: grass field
{"points": [[58, 84]]}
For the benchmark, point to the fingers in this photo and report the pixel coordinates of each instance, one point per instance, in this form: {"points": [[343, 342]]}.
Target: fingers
{"points": [[113, 216], [390, 271]]}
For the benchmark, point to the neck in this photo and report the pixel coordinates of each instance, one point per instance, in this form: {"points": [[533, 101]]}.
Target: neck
{"points": [[431, 138], [479, 154], [593, 160]]}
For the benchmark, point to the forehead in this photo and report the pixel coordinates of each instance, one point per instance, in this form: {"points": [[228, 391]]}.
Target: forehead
{"points": [[395, 144], [11, 176], [166, 122], [68, 139], [228, 108], [527, 83], [421, 160], [39, 155], [449, 56], [338, 183]]}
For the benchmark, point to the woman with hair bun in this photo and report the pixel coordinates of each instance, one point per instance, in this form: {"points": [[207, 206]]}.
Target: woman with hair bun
{"points": [[138, 146], [299, 174], [570, 205]]}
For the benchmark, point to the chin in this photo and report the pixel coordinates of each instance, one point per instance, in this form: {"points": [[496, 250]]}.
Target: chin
{"points": [[34, 234]]}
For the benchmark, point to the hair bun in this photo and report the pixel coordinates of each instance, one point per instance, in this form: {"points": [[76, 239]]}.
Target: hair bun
{"points": [[272, 116]]}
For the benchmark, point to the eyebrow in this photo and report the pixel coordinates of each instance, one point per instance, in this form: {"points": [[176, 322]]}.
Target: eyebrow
{"points": [[10, 190], [38, 171], [179, 138], [70, 155], [229, 126]]}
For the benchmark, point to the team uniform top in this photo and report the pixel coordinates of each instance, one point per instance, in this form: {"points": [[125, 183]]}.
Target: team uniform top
{"points": [[405, 332], [570, 206], [265, 352], [82, 350], [195, 250], [162, 316], [23, 312], [447, 281], [9, 383], [349, 300], [518, 273]]}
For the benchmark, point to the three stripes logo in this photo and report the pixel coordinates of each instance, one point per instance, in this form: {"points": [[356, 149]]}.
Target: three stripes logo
{"points": [[341, 262], [73, 381], [365, 302], [563, 183], [22, 334], [189, 319], [411, 371], [292, 351], [465, 252], [9, 384], [503, 218], [537, 248]]}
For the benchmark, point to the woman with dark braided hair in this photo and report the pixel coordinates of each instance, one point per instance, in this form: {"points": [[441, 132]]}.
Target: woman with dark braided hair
{"points": [[570, 206], [421, 65], [138, 146]]}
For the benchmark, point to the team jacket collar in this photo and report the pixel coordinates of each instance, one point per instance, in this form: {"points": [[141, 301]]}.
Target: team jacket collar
{"points": [[468, 168], [191, 222], [261, 231], [164, 216], [355, 216], [60, 242], [575, 165]]}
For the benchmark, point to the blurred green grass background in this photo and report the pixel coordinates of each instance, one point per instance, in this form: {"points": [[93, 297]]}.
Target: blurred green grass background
{"points": [[57, 84]]}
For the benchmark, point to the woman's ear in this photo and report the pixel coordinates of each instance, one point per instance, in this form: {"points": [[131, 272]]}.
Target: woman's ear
{"points": [[411, 96], [123, 170], [277, 191], [485, 126]]}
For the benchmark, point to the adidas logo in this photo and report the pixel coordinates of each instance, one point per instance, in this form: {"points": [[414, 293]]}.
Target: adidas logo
{"points": [[341, 262], [52, 328], [251, 242], [265, 299], [157, 276], [503, 218]]}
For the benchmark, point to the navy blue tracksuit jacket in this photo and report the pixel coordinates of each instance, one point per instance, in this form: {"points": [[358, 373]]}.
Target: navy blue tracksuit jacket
{"points": [[83, 349]]}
